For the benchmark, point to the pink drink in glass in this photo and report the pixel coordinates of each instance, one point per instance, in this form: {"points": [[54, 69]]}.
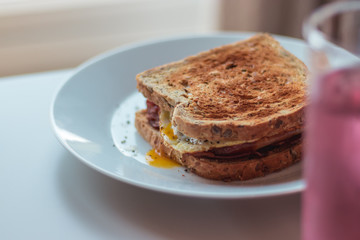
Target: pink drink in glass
{"points": [[331, 202]]}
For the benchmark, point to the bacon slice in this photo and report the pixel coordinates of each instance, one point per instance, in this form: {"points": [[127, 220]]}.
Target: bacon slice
{"points": [[254, 146], [152, 114], [248, 150]]}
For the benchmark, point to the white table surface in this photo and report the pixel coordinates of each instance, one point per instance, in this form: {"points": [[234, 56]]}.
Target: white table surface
{"points": [[46, 193]]}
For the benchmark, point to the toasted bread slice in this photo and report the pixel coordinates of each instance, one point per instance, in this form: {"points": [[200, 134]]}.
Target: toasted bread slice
{"points": [[220, 169], [242, 91]]}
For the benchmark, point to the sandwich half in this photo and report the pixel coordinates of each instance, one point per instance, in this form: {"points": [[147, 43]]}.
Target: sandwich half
{"points": [[231, 113]]}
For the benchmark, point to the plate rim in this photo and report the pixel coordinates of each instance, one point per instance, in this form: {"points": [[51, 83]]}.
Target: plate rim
{"points": [[277, 189]]}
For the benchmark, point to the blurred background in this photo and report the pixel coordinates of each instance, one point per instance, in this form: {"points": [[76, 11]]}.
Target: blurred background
{"points": [[43, 35]]}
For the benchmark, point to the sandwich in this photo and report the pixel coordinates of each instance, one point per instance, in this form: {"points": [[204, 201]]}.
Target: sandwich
{"points": [[234, 112]]}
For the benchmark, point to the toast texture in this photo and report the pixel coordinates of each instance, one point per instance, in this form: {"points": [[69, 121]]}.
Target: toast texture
{"points": [[242, 91], [219, 169]]}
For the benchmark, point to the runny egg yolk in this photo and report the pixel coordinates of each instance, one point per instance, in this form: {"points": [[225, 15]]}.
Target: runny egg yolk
{"points": [[156, 160], [168, 131]]}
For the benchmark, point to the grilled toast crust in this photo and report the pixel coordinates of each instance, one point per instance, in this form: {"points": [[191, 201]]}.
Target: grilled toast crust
{"points": [[218, 169], [240, 91]]}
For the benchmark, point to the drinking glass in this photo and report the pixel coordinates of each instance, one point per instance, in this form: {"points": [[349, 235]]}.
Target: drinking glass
{"points": [[331, 201]]}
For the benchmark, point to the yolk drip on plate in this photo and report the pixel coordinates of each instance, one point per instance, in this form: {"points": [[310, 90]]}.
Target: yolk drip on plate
{"points": [[156, 160]]}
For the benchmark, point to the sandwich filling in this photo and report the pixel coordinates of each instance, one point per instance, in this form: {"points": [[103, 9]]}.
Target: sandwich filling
{"points": [[160, 120]]}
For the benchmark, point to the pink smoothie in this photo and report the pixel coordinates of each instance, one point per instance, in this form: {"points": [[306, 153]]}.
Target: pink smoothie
{"points": [[331, 202]]}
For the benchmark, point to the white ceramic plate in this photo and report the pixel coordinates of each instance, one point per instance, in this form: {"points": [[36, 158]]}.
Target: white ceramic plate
{"points": [[93, 117]]}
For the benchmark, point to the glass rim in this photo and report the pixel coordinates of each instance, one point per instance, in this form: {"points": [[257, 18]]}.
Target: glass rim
{"points": [[310, 31]]}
